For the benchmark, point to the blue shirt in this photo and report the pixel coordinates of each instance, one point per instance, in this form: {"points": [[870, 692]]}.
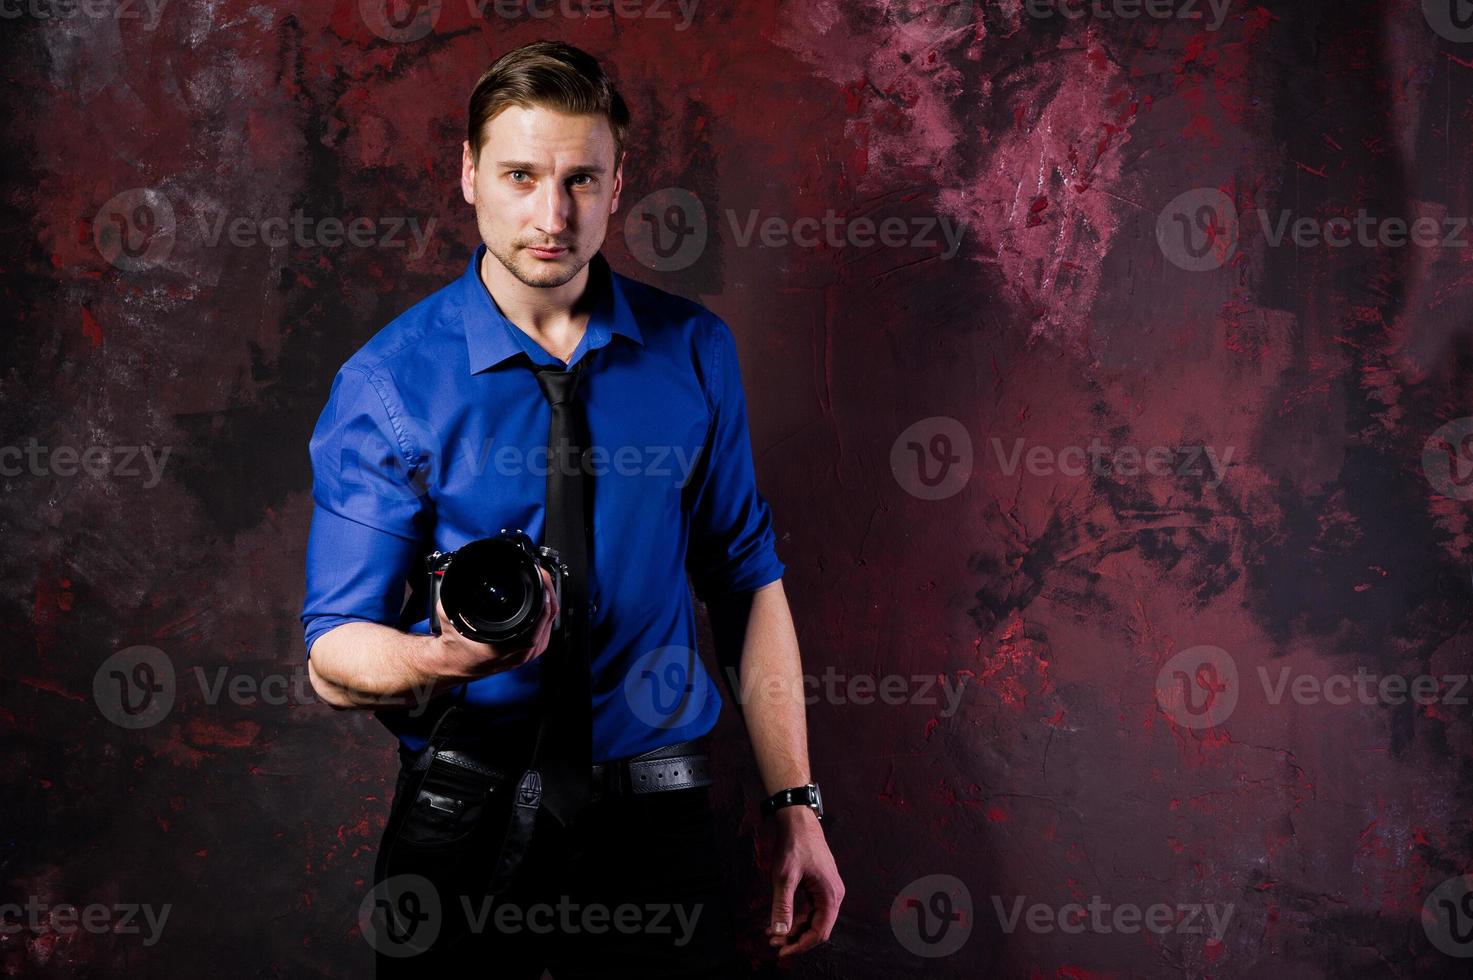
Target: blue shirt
{"points": [[435, 434]]}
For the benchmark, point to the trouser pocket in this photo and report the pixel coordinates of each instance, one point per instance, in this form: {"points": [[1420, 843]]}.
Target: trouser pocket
{"points": [[446, 823]]}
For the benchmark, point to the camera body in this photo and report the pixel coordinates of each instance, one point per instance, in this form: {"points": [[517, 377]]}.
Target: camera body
{"points": [[492, 589]]}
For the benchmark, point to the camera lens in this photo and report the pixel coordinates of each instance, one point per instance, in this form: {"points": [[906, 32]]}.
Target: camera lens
{"points": [[499, 593], [492, 590]]}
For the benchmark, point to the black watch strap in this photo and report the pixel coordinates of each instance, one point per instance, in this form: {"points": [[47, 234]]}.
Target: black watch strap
{"points": [[806, 795]]}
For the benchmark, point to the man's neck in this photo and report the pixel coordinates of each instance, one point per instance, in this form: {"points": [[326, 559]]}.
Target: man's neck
{"points": [[555, 317]]}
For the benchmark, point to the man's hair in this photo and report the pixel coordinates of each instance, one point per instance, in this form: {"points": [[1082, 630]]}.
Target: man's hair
{"points": [[549, 75]]}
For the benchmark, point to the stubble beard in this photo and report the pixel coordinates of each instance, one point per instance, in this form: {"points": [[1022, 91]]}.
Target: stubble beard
{"points": [[535, 272]]}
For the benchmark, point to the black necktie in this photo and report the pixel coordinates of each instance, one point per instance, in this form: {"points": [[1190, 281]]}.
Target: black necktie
{"points": [[567, 759]]}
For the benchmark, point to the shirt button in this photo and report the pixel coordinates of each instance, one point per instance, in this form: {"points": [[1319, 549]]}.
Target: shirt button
{"points": [[592, 607]]}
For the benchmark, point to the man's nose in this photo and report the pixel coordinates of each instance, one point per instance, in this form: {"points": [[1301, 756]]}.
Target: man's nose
{"points": [[552, 209]]}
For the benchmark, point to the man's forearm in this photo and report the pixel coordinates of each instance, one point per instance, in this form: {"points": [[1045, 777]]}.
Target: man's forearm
{"points": [[369, 665], [770, 681]]}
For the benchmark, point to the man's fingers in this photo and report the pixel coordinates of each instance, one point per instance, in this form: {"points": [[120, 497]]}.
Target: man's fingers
{"points": [[821, 924], [508, 659], [801, 945], [780, 923], [550, 611], [446, 625], [550, 603]]}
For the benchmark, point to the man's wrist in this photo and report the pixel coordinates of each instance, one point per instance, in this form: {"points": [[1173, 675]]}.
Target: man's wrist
{"points": [[427, 662], [805, 797], [796, 817]]}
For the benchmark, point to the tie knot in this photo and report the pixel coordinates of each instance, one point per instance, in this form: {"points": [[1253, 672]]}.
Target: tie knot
{"points": [[557, 385]]}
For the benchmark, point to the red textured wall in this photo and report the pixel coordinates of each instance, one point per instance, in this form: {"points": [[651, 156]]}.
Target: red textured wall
{"points": [[1115, 494]]}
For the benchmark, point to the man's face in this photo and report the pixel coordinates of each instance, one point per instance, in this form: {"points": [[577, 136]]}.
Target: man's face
{"points": [[543, 189]]}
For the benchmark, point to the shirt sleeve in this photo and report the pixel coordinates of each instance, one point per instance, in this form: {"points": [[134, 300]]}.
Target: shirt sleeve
{"points": [[369, 505], [732, 547]]}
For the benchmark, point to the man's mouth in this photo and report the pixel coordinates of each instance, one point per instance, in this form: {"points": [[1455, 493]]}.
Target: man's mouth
{"points": [[551, 252]]}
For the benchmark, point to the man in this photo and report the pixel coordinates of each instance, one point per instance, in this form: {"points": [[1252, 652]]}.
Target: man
{"points": [[438, 432]]}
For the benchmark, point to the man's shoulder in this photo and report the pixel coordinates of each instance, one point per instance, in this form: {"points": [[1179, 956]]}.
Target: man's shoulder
{"points": [[669, 316], [685, 331], [417, 336]]}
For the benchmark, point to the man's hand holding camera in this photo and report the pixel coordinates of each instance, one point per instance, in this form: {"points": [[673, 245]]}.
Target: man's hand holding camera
{"points": [[457, 656]]}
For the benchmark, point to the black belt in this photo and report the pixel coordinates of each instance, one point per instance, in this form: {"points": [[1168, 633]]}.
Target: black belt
{"points": [[679, 765]]}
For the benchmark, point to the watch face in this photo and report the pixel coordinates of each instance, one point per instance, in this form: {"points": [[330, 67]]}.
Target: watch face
{"points": [[817, 800]]}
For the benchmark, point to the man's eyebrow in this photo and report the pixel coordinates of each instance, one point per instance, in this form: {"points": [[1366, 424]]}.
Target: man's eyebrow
{"points": [[582, 168]]}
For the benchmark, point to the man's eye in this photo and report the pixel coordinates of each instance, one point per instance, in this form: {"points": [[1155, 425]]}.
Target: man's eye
{"points": [[516, 175], [584, 177]]}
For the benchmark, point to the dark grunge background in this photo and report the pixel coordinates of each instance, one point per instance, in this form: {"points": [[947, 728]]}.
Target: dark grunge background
{"points": [[1157, 463]]}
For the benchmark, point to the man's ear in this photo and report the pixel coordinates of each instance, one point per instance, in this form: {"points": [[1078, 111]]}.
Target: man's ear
{"points": [[467, 173], [618, 181]]}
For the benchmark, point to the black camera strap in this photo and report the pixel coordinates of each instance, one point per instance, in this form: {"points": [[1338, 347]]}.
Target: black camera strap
{"points": [[526, 800], [444, 728]]}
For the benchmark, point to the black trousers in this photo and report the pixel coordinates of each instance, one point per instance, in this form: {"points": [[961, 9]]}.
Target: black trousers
{"points": [[632, 889]]}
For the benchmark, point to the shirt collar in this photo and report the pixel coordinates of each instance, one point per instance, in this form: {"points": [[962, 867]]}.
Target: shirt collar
{"points": [[491, 338]]}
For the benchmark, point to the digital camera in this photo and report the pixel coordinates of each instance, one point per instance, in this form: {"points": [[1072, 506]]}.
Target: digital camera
{"points": [[492, 588]]}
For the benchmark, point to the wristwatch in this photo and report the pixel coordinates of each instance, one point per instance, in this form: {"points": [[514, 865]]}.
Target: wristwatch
{"points": [[806, 795]]}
